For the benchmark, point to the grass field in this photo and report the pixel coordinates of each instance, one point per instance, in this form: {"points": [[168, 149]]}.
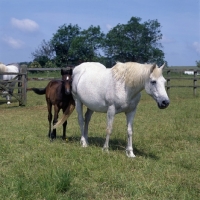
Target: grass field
{"points": [[166, 145]]}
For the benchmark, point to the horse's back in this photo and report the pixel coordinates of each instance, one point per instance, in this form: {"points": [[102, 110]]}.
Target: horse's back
{"points": [[87, 67], [91, 85], [9, 68]]}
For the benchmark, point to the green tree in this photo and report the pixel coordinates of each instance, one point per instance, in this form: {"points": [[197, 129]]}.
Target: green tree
{"points": [[198, 63], [62, 41], [86, 46], [135, 41], [43, 53]]}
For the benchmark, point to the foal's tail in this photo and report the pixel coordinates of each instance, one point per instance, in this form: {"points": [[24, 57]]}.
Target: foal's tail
{"points": [[39, 91], [66, 114]]}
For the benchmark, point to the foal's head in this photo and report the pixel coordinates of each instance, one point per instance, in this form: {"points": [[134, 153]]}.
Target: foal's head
{"points": [[67, 80]]}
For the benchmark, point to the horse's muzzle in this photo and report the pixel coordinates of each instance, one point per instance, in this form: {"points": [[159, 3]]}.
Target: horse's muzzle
{"points": [[163, 104]]}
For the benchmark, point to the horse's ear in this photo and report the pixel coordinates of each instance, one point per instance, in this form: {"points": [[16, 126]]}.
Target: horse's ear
{"points": [[162, 66], [153, 67]]}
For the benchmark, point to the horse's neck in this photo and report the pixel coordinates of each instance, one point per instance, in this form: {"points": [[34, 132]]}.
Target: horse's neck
{"points": [[134, 90]]}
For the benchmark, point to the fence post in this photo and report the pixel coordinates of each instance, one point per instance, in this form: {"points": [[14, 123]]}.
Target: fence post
{"points": [[195, 83], [23, 86], [168, 81]]}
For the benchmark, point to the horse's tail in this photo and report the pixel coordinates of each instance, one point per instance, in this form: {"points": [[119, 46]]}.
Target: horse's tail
{"points": [[66, 114], [39, 91]]}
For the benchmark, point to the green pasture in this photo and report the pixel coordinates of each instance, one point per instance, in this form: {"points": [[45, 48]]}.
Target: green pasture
{"points": [[166, 144]]}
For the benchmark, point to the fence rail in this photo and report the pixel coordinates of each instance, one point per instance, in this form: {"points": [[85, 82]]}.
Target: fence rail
{"points": [[195, 78], [22, 80]]}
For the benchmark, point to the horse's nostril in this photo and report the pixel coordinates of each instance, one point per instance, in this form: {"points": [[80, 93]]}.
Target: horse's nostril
{"points": [[165, 103]]}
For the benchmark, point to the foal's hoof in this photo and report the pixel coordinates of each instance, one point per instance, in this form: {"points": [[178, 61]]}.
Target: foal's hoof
{"points": [[64, 137], [52, 136]]}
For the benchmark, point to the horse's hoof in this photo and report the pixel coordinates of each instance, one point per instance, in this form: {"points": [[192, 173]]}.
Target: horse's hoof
{"points": [[130, 154], [8, 103], [105, 149], [83, 143]]}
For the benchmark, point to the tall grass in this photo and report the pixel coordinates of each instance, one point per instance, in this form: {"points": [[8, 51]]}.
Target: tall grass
{"points": [[166, 145]]}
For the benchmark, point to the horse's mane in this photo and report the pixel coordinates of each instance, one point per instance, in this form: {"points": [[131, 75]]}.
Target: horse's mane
{"points": [[3, 67], [131, 73]]}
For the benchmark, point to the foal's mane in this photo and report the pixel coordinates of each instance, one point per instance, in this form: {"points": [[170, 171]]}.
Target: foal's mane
{"points": [[131, 73]]}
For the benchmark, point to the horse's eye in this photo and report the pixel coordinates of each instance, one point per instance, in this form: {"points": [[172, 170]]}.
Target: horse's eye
{"points": [[153, 82]]}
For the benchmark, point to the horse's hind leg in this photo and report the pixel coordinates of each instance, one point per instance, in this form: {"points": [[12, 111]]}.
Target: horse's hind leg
{"points": [[110, 119], [88, 115]]}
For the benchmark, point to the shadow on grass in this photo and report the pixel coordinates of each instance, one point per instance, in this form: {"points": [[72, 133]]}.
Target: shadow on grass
{"points": [[114, 144]]}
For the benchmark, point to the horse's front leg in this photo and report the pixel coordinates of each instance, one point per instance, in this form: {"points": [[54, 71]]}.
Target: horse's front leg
{"points": [[79, 109], [110, 119], [10, 93], [129, 118], [8, 99]]}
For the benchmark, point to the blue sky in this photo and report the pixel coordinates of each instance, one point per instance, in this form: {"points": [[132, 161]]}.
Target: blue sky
{"points": [[25, 23]]}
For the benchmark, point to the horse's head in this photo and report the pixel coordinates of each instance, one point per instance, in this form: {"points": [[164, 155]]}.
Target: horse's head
{"points": [[155, 86], [67, 80]]}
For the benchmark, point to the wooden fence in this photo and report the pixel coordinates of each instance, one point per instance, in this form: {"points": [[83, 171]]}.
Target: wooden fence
{"points": [[193, 77], [21, 85], [22, 79]]}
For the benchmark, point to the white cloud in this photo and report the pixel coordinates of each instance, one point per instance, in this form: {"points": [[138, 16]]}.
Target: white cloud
{"points": [[25, 24], [196, 47], [167, 40], [108, 26], [16, 44]]}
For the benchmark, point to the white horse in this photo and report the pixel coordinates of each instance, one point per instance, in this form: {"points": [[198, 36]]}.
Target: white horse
{"points": [[113, 91], [6, 77]]}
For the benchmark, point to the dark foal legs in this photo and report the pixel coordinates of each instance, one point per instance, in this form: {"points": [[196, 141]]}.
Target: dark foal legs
{"points": [[49, 106], [64, 130], [55, 120]]}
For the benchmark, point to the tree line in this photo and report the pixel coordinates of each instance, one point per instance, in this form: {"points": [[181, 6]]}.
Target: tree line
{"points": [[135, 41]]}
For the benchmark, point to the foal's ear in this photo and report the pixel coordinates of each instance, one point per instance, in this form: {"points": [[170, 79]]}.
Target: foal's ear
{"points": [[153, 67]]}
